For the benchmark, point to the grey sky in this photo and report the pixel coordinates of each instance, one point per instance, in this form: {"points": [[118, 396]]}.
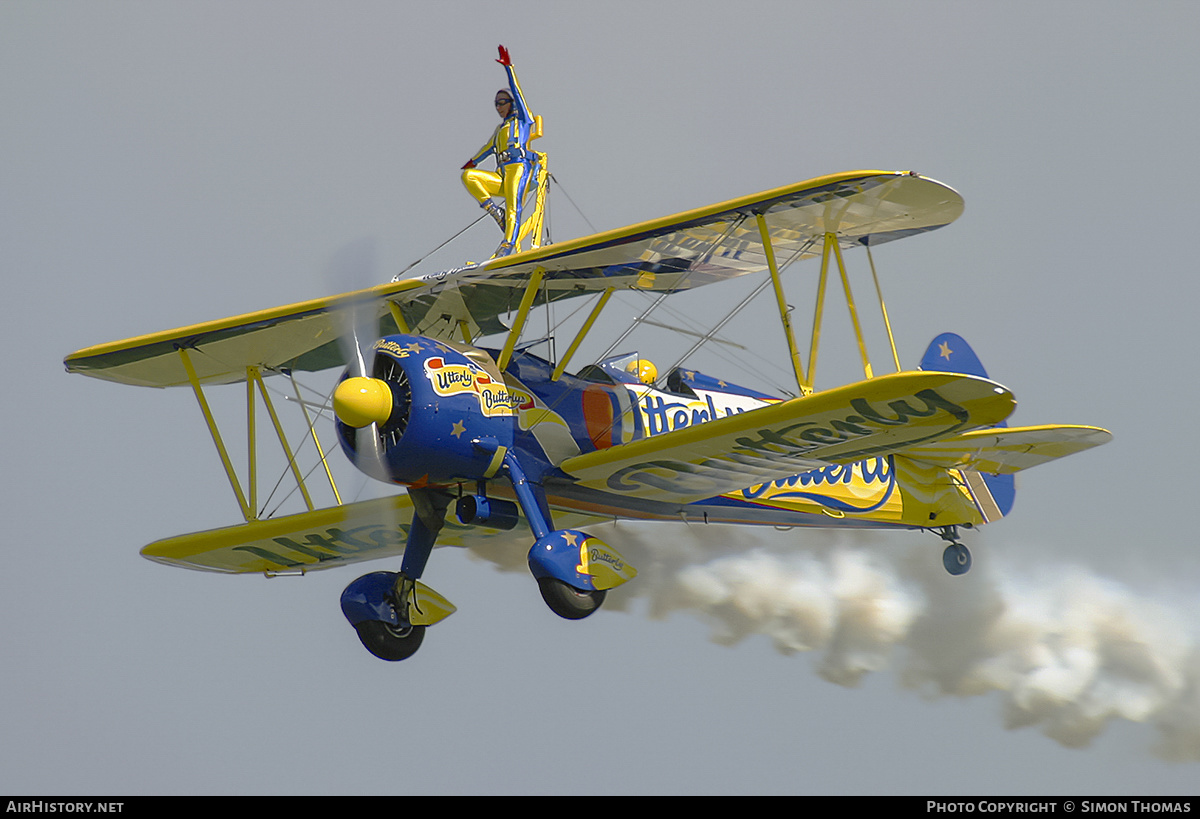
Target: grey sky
{"points": [[169, 163]]}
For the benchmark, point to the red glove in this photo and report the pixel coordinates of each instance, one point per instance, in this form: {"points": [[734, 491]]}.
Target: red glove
{"points": [[504, 58]]}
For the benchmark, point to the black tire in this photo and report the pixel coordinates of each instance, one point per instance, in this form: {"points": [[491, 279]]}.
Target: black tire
{"points": [[388, 642], [956, 559], [568, 601]]}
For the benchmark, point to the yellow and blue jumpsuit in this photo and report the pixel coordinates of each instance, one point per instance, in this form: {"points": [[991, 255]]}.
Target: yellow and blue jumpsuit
{"points": [[515, 165]]}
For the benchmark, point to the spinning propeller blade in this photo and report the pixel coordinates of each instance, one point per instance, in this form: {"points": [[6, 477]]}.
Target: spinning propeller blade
{"points": [[361, 401]]}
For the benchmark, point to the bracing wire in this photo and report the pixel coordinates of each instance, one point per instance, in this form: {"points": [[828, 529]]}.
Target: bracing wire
{"points": [[592, 227], [439, 247]]}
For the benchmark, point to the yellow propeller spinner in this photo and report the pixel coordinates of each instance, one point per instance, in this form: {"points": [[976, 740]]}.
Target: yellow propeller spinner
{"points": [[360, 401]]}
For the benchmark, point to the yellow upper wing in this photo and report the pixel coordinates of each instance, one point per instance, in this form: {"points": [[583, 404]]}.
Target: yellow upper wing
{"points": [[694, 248], [679, 252], [303, 337]]}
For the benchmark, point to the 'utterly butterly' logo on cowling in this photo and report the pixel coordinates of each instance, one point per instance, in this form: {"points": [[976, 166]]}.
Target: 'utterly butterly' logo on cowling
{"points": [[495, 399]]}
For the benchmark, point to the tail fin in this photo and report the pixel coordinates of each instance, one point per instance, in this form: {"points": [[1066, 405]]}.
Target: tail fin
{"points": [[950, 353]]}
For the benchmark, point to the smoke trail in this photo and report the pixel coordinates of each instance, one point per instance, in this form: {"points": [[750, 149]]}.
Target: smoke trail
{"points": [[1065, 650]]}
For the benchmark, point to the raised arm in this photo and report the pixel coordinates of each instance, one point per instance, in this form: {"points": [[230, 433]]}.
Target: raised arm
{"points": [[518, 98]]}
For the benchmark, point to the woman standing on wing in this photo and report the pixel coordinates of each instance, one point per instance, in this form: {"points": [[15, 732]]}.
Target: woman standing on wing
{"points": [[515, 163]]}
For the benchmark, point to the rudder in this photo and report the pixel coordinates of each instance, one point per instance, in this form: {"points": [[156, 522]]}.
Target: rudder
{"points": [[950, 353]]}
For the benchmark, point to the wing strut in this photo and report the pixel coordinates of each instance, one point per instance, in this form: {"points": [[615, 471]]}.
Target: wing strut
{"points": [[862, 345], [312, 429], [883, 309], [249, 506], [465, 328], [535, 281], [583, 331], [216, 435], [398, 317], [256, 375], [797, 367], [832, 248]]}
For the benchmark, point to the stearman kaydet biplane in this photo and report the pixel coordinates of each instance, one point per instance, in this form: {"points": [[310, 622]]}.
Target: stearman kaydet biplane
{"points": [[522, 449]]}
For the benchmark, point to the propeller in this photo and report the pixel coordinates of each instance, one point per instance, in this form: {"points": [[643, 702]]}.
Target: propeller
{"points": [[361, 401]]}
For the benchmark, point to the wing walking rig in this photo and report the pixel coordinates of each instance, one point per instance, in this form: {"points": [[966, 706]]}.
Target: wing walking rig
{"points": [[527, 452]]}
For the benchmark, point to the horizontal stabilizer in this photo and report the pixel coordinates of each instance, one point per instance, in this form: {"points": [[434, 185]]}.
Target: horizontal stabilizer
{"points": [[871, 418], [1004, 451]]}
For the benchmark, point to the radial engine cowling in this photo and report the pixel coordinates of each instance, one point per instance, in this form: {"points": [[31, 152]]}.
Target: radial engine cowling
{"points": [[427, 403]]}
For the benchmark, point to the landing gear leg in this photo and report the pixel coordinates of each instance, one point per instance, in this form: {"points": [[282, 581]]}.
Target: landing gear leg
{"points": [[574, 570], [389, 610], [380, 617], [957, 557]]}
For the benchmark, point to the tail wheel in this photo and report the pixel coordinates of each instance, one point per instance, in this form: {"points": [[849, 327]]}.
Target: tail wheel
{"points": [[568, 601], [388, 642]]}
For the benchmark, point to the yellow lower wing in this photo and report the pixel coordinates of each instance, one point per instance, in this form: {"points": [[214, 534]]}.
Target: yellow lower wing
{"points": [[322, 539], [1004, 451], [871, 418]]}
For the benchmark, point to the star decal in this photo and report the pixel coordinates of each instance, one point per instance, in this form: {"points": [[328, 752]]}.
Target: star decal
{"points": [[944, 350], [458, 429], [571, 538], [413, 348]]}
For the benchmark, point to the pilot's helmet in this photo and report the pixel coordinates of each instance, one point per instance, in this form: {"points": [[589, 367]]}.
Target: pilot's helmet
{"points": [[646, 372]]}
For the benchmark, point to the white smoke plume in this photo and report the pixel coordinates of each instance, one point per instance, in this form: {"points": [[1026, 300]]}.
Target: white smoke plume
{"points": [[1065, 650]]}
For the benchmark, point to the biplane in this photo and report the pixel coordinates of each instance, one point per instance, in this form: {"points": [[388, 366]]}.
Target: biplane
{"points": [[523, 449]]}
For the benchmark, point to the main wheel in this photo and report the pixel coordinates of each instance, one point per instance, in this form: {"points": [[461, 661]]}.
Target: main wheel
{"points": [[568, 601], [388, 642], [956, 559]]}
